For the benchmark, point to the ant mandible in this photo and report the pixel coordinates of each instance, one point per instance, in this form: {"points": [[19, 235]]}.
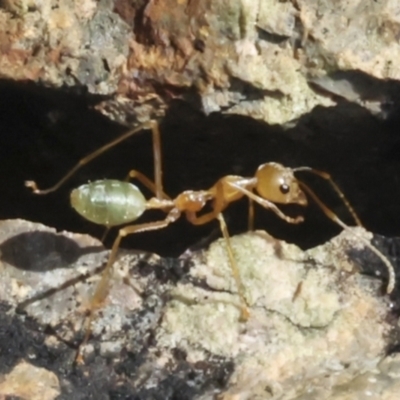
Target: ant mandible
{"points": [[113, 203]]}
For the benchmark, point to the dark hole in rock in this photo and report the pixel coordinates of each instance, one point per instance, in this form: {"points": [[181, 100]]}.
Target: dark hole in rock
{"points": [[45, 131]]}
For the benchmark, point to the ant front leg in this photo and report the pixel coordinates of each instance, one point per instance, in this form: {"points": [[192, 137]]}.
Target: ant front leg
{"points": [[101, 291], [268, 205]]}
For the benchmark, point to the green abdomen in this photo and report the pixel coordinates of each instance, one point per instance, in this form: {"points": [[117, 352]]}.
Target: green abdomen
{"points": [[108, 202]]}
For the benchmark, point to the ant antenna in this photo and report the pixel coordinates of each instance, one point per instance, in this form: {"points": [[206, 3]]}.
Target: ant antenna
{"points": [[327, 177], [330, 214]]}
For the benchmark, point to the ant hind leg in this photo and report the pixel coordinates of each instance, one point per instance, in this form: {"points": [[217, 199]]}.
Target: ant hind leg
{"points": [[101, 290], [85, 160]]}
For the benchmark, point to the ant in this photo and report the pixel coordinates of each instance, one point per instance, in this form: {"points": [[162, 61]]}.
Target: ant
{"points": [[113, 203]]}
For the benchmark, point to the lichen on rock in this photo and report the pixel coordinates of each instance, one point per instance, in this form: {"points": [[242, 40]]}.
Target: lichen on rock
{"points": [[318, 329]]}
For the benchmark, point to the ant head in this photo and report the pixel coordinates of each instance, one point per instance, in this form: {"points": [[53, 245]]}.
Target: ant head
{"points": [[278, 184]]}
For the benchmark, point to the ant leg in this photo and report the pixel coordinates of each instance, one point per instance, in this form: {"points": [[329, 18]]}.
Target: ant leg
{"points": [[102, 287], [203, 219], [251, 215], [244, 311], [157, 161], [267, 204], [331, 215], [157, 158], [327, 177], [103, 238], [152, 186]]}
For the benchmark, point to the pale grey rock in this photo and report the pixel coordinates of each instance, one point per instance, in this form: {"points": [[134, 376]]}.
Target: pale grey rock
{"points": [[318, 329], [256, 58]]}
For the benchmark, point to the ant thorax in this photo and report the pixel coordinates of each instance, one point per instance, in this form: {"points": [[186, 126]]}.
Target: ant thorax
{"points": [[191, 200]]}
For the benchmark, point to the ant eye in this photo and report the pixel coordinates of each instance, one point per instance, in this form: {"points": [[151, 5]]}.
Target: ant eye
{"points": [[284, 188]]}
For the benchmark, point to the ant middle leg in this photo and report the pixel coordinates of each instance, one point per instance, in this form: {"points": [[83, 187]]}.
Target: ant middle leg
{"points": [[154, 187], [203, 219], [245, 314]]}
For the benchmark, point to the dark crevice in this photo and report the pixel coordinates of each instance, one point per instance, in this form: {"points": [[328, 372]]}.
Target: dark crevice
{"points": [[356, 86], [45, 131], [271, 37]]}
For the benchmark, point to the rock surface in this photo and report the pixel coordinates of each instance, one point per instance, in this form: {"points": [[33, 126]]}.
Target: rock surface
{"points": [[169, 328], [254, 58]]}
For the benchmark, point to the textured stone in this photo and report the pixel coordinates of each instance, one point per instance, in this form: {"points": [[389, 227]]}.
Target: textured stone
{"points": [[318, 329], [254, 58]]}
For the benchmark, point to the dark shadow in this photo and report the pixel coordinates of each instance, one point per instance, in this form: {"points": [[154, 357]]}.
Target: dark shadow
{"points": [[358, 86], [42, 251], [44, 132], [371, 264]]}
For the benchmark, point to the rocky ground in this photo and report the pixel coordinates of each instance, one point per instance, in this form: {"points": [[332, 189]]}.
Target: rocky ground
{"points": [[171, 329]]}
